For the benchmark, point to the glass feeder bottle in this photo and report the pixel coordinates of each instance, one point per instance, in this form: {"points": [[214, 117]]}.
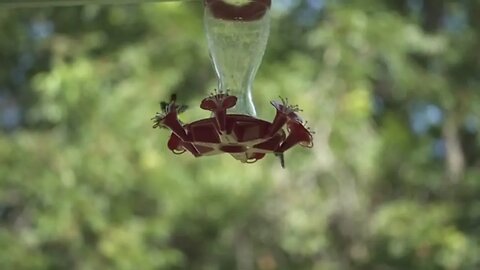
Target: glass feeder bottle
{"points": [[237, 38]]}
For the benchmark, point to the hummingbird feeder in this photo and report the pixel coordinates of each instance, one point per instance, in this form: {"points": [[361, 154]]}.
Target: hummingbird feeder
{"points": [[237, 33]]}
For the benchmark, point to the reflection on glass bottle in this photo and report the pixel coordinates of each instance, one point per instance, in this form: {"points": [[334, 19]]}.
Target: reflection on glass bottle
{"points": [[237, 39]]}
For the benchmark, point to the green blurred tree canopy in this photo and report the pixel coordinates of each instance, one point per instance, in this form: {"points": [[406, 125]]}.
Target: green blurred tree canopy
{"points": [[390, 87]]}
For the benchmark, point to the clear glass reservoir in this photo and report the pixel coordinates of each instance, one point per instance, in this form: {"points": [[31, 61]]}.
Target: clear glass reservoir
{"points": [[237, 41]]}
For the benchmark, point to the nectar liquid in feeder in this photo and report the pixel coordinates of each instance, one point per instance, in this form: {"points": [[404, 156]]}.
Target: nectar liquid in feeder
{"points": [[237, 37]]}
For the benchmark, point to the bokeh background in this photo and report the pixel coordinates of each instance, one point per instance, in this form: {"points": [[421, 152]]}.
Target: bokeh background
{"points": [[393, 183]]}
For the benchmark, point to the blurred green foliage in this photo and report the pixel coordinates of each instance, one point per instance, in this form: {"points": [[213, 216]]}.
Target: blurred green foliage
{"points": [[390, 87]]}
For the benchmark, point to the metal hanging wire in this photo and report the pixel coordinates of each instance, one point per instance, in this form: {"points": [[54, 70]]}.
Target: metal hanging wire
{"points": [[64, 3]]}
